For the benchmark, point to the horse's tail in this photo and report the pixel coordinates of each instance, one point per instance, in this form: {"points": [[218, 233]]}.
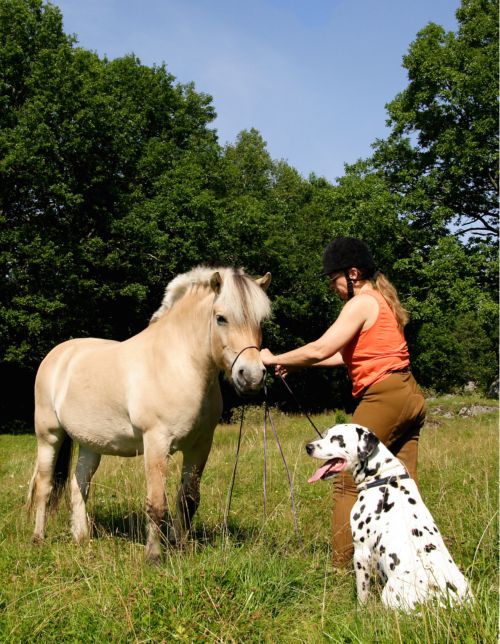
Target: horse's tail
{"points": [[60, 476]]}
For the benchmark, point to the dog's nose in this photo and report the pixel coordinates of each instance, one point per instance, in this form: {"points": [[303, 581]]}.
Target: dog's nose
{"points": [[309, 448]]}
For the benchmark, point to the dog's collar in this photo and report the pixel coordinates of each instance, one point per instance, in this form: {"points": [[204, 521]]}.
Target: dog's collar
{"points": [[386, 481]]}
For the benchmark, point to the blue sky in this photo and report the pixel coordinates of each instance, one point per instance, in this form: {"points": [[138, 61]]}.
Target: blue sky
{"points": [[313, 76]]}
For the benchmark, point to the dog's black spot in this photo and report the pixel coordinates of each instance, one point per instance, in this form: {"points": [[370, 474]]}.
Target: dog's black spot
{"points": [[388, 506], [415, 516], [436, 530], [362, 509], [355, 516], [379, 507], [358, 565], [395, 560], [411, 500], [451, 586], [393, 483], [367, 576], [377, 541], [429, 547], [373, 470], [362, 539], [416, 532], [361, 497], [382, 549], [339, 439], [364, 586], [368, 519], [361, 524], [360, 432], [383, 489], [388, 460]]}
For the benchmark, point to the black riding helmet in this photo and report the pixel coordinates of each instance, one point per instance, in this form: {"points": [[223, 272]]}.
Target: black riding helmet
{"points": [[346, 252]]}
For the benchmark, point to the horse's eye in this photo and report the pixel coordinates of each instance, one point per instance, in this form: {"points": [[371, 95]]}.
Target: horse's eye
{"points": [[221, 319]]}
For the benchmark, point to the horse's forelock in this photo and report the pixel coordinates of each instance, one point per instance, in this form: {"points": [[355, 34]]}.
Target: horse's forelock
{"points": [[244, 298]]}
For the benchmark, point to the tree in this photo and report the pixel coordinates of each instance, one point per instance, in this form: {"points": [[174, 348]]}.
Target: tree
{"points": [[442, 153], [86, 140]]}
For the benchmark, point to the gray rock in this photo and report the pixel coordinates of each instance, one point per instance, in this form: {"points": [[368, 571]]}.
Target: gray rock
{"points": [[493, 390]]}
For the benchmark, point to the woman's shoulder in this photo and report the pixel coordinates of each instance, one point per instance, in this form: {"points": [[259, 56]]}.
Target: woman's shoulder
{"points": [[363, 303]]}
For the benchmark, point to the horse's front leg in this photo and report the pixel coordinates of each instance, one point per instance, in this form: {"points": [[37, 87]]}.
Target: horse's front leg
{"points": [[156, 449], [188, 497]]}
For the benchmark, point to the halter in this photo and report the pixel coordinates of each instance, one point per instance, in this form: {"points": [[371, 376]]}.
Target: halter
{"points": [[251, 346]]}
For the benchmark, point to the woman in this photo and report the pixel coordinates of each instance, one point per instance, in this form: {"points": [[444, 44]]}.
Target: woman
{"points": [[368, 338]]}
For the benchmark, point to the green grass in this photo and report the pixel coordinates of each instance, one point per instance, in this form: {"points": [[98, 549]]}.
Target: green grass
{"points": [[258, 584]]}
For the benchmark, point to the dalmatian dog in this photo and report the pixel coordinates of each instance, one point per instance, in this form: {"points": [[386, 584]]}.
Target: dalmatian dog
{"points": [[394, 533]]}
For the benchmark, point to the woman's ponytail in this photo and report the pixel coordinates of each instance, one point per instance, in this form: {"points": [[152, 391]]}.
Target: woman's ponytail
{"points": [[387, 290]]}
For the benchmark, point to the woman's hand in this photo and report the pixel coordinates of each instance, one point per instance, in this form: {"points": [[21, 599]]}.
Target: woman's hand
{"points": [[282, 371], [267, 357]]}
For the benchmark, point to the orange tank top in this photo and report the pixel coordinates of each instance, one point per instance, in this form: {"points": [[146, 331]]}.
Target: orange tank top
{"points": [[382, 348]]}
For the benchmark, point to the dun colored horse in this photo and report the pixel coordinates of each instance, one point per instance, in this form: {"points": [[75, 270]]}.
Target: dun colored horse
{"points": [[153, 394]]}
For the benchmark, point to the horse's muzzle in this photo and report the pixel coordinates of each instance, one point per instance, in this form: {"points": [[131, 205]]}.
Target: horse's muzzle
{"points": [[248, 380]]}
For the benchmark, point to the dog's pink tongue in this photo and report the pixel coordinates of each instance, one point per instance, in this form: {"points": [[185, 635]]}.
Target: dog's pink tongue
{"points": [[319, 473], [335, 465]]}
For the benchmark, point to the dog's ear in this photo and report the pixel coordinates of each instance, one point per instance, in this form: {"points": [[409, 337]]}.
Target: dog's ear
{"points": [[367, 445]]}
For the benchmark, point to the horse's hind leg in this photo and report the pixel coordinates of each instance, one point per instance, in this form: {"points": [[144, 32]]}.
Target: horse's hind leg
{"points": [[50, 475], [86, 466]]}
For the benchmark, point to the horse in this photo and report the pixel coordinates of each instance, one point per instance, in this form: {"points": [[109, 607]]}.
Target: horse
{"points": [[155, 393]]}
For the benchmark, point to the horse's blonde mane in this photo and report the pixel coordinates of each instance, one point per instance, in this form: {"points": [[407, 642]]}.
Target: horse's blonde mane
{"points": [[239, 293]]}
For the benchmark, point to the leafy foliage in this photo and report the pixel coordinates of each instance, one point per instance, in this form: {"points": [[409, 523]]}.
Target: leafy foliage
{"points": [[112, 181], [442, 154]]}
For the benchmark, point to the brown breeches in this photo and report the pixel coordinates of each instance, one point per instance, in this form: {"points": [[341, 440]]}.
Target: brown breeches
{"points": [[394, 410]]}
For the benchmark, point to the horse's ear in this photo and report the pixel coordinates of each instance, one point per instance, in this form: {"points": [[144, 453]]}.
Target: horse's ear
{"points": [[216, 282], [264, 281]]}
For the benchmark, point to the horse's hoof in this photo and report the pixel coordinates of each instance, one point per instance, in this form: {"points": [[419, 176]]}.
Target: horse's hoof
{"points": [[153, 559], [81, 537], [152, 554]]}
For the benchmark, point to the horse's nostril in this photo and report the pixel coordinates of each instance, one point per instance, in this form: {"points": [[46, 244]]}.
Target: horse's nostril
{"points": [[241, 373]]}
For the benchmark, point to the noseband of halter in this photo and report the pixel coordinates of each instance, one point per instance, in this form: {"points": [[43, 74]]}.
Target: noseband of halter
{"points": [[252, 346]]}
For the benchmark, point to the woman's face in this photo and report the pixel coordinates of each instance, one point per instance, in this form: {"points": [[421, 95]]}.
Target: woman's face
{"points": [[338, 284]]}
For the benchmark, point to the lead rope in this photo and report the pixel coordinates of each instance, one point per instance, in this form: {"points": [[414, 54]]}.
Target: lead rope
{"points": [[267, 412], [300, 406], [233, 478], [267, 415]]}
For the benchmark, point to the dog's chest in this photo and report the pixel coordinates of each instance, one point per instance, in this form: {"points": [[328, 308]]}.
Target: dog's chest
{"points": [[381, 511]]}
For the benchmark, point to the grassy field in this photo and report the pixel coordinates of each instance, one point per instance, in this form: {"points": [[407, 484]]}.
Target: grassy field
{"points": [[259, 583]]}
